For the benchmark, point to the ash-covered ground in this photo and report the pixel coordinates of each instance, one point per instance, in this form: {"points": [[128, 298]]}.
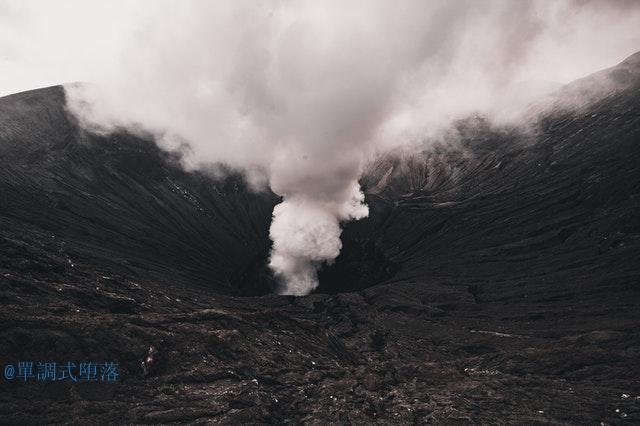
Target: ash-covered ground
{"points": [[493, 283]]}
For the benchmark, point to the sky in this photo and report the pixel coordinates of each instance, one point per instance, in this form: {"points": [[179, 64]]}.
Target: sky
{"points": [[48, 42]]}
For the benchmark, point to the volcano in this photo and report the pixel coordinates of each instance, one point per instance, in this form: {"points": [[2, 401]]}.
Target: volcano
{"points": [[495, 280]]}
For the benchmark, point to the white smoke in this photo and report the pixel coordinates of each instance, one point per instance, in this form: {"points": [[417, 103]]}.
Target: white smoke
{"points": [[306, 233], [299, 93]]}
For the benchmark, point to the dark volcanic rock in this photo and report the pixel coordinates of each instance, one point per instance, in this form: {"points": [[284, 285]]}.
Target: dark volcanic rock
{"points": [[492, 284], [123, 200]]}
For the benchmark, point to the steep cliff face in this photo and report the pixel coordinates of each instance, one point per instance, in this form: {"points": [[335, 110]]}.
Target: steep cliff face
{"points": [[122, 200], [556, 200], [494, 281]]}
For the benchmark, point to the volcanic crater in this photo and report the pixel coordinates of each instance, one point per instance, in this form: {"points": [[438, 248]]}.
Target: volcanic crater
{"points": [[495, 278]]}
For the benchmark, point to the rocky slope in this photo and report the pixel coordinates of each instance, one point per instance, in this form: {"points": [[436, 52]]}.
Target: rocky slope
{"points": [[495, 281]]}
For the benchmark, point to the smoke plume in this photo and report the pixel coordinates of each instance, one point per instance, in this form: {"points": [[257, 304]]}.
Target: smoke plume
{"points": [[299, 94]]}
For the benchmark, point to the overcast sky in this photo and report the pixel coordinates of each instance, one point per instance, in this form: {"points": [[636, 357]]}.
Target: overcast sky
{"points": [[46, 42]]}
